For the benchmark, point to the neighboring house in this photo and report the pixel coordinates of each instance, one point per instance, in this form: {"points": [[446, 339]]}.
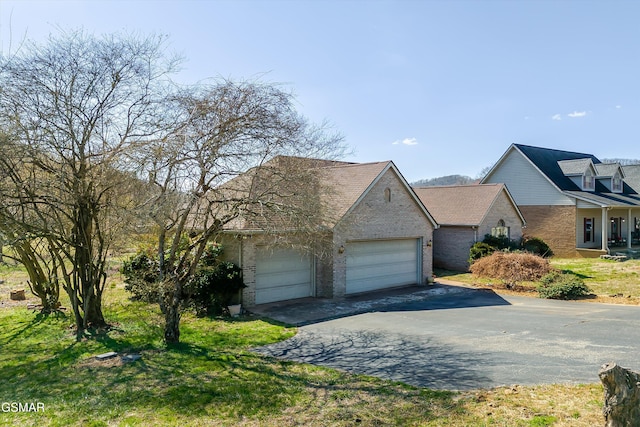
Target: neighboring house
{"points": [[379, 235], [465, 214], [577, 204]]}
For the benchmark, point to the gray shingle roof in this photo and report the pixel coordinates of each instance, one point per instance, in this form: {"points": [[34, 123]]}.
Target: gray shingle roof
{"points": [[575, 166], [607, 169], [551, 162]]}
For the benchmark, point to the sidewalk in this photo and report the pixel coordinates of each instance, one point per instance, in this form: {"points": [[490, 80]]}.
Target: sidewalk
{"points": [[312, 310]]}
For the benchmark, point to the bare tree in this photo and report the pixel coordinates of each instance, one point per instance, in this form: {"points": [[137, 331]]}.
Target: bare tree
{"points": [[71, 109], [239, 154]]}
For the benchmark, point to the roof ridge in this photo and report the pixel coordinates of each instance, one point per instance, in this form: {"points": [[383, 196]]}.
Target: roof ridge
{"points": [[492, 184], [557, 150], [346, 165]]}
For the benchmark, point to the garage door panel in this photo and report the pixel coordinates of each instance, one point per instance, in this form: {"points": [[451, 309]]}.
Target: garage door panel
{"points": [[282, 274], [381, 271], [282, 293], [380, 264], [368, 260]]}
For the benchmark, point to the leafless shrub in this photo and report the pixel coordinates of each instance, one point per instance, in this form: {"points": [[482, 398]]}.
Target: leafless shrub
{"points": [[511, 267]]}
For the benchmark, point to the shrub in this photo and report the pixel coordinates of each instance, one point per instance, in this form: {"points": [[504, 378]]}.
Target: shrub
{"points": [[561, 285], [212, 288], [480, 250], [511, 267], [490, 244], [501, 243], [141, 274], [537, 246]]}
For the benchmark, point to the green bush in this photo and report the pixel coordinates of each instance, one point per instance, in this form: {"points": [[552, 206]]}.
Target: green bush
{"points": [[560, 285], [480, 250], [491, 244], [501, 243], [141, 274], [537, 246], [212, 288], [215, 287]]}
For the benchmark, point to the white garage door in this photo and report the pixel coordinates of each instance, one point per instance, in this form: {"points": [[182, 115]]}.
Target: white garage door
{"points": [[282, 274], [382, 264]]}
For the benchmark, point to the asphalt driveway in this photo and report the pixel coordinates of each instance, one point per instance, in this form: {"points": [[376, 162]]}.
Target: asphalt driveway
{"points": [[460, 338]]}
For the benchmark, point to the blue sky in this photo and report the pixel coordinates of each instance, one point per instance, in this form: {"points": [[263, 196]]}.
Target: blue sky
{"points": [[439, 87]]}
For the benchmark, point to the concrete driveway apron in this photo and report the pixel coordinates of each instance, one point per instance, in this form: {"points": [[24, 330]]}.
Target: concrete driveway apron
{"points": [[471, 339]]}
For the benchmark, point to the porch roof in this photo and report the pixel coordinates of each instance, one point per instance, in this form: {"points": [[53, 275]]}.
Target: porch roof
{"points": [[606, 200]]}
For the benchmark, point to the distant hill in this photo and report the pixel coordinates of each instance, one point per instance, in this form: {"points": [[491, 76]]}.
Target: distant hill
{"points": [[444, 180]]}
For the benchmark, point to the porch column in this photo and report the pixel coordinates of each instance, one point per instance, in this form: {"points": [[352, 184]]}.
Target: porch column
{"points": [[629, 229], [605, 223]]}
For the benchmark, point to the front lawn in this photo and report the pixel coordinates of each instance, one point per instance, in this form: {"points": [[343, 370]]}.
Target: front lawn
{"points": [[611, 281], [213, 378]]}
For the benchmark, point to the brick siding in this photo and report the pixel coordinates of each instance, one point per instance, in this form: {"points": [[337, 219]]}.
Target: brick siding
{"points": [[451, 247], [556, 225], [375, 218]]}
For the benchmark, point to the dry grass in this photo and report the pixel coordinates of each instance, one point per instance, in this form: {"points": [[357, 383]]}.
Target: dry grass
{"points": [[13, 277], [557, 405]]}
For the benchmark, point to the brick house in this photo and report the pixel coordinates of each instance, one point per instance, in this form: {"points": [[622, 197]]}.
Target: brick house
{"points": [[577, 204], [379, 236], [465, 214]]}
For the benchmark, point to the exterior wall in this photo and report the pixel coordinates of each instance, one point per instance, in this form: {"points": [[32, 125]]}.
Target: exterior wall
{"points": [[556, 225], [451, 247], [375, 218], [525, 183], [324, 277], [502, 209], [231, 248], [596, 241], [372, 218], [242, 249], [452, 243]]}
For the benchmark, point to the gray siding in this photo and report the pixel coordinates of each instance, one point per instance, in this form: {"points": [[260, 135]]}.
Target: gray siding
{"points": [[525, 183]]}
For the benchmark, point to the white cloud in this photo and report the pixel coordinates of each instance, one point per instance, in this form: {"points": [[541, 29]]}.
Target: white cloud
{"points": [[577, 114], [556, 117], [406, 141]]}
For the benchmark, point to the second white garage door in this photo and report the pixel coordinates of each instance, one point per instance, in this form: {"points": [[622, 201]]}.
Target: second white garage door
{"points": [[380, 264], [282, 274]]}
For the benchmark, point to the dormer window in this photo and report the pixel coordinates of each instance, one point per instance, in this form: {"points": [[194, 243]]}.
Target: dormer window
{"points": [[616, 184], [588, 181]]}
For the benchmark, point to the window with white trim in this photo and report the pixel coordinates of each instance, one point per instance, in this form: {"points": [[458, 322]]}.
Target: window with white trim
{"points": [[588, 181], [501, 230], [616, 184]]}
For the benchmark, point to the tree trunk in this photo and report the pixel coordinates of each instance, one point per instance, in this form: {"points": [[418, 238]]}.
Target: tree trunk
{"points": [[621, 396], [172, 324], [93, 315], [173, 304]]}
